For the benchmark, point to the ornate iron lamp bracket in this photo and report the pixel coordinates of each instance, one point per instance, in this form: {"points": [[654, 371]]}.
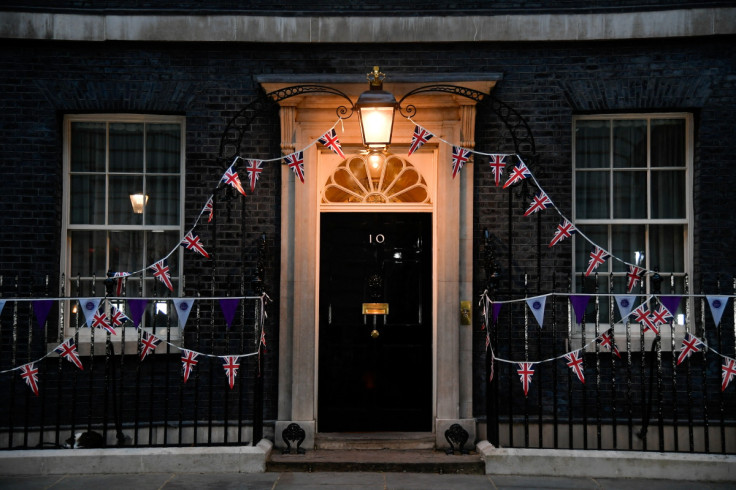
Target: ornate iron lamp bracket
{"points": [[343, 112], [514, 123]]}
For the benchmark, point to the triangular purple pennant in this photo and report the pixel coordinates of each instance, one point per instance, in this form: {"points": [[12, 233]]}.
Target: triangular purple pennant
{"points": [[671, 303], [229, 306], [496, 311], [137, 307], [536, 304], [579, 304], [717, 306], [41, 308], [2, 305]]}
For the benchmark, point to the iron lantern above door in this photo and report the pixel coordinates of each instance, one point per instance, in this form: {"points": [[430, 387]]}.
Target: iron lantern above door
{"points": [[376, 109]]}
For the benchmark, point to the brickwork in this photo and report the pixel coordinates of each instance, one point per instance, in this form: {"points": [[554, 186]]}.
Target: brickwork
{"points": [[546, 82]]}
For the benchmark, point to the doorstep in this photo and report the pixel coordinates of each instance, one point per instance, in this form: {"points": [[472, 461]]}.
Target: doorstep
{"points": [[375, 440], [377, 460]]}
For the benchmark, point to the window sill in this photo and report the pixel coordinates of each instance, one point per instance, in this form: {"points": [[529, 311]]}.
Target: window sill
{"points": [[667, 333], [131, 343]]}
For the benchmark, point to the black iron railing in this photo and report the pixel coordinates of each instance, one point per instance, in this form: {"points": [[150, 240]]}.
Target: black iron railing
{"points": [[638, 392], [119, 394]]}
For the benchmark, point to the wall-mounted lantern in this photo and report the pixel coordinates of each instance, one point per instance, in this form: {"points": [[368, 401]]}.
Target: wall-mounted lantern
{"points": [[376, 109]]}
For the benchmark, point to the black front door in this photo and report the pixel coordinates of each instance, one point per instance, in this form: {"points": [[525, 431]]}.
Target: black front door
{"points": [[375, 371]]}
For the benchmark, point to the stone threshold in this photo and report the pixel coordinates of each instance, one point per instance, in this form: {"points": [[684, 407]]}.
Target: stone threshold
{"points": [[375, 440], [377, 460]]}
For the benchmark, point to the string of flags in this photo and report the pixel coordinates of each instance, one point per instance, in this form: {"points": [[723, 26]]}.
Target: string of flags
{"points": [[540, 201], [498, 163], [149, 342], [649, 319]]}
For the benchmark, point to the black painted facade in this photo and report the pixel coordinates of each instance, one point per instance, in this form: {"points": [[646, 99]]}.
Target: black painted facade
{"points": [[546, 82]]}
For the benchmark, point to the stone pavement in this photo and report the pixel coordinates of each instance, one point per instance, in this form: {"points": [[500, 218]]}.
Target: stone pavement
{"points": [[334, 481]]}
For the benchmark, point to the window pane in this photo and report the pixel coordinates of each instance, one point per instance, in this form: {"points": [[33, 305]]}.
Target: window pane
{"points": [[592, 144], [667, 247], [89, 254], [120, 206], [163, 144], [126, 251], [126, 147], [630, 144], [668, 194], [133, 286], [621, 286], [591, 195], [630, 194], [629, 244], [87, 200], [163, 204], [668, 143], [88, 147]]}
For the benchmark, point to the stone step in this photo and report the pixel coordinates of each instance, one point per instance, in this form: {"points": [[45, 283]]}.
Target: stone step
{"points": [[375, 440], [377, 460]]}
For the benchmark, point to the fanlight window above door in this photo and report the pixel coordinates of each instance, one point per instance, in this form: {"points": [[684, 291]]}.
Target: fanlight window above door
{"points": [[376, 178]]}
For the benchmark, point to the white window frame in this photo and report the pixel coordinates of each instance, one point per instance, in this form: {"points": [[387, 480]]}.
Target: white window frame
{"points": [[131, 333], [620, 333]]}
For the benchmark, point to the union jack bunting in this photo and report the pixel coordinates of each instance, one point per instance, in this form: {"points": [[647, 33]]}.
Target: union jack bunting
{"points": [[117, 317], [518, 173], [634, 276], [661, 316], [606, 341], [575, 363], [188, 361], [192, 242], [254, 169], [525, 372], [690, 344], [119, 276], [29, 373], [231, 364], [295, 161], [597, 257], [68, 350], [497, 164], [460, 156], [419, 137], [729, 371], [149, 342], [211, 208], [484, 313], [564, 230], [539, 202], [230, 177], [263, 337], [100, 321], [329, 139], [642, 315], [161, 272]]}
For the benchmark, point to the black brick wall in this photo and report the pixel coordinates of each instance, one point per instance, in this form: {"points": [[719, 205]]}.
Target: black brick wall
{"points": [[546, 82]]}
